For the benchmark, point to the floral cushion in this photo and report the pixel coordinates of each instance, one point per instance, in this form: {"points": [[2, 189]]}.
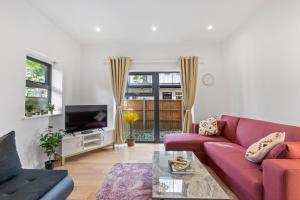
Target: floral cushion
{"points": [[257, 151], [208, 127]]}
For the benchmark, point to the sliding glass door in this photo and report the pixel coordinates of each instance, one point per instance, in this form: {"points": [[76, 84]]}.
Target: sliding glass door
{"points": [[157, 100], [170, 104]]}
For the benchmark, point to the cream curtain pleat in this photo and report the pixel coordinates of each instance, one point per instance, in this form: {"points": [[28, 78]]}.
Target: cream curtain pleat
{"points": [[119, 67], [188, 73]]}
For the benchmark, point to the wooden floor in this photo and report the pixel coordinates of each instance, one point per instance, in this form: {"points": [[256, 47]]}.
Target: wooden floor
{"points": [[89, 170]]}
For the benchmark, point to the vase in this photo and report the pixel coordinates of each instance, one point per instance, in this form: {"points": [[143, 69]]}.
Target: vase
{"points": [[130, 142], [49, 165]]}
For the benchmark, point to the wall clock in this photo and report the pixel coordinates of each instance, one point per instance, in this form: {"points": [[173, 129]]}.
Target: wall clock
{"points": [[208, 79]]}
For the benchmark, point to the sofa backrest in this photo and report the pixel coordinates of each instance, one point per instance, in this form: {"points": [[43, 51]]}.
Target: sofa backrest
{"points": [[229, 130], [249, 131]]}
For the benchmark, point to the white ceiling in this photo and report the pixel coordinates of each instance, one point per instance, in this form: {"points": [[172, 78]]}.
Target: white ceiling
{"points": [[130, 21]]}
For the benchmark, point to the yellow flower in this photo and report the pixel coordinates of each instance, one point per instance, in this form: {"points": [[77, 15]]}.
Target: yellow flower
{"points": [[130, 117]]}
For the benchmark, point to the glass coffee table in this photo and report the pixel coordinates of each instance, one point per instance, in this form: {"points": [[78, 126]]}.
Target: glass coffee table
{"points": [[198, 185]]}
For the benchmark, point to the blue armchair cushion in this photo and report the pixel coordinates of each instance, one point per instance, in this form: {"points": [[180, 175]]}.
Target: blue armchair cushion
{"points": [[10, 164], [31, 184]]}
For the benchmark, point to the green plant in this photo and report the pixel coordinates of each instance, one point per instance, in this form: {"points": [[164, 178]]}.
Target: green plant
{"points": [[51, 107], [29, 107], [50, 140]]}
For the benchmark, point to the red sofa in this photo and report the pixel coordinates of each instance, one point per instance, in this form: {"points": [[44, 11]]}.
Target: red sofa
{"points": [[274, 179]]}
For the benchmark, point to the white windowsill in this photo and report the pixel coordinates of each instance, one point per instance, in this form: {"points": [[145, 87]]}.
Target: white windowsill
{"points": [[42, 116]]}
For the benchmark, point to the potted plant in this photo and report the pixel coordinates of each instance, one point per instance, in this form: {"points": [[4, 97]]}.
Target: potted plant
{"points": [[49, 141], [29, 108], [51, 108], [130, 118]]}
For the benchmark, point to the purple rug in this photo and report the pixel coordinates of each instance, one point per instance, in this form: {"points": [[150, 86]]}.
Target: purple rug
{"points": [[127, 181]]}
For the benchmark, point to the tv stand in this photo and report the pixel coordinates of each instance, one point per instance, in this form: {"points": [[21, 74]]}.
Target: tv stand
{"points": [[87, 132], [81, 143]]}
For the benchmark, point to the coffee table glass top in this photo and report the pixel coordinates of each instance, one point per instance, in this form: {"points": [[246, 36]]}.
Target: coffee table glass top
{"points": [[199, 185]]}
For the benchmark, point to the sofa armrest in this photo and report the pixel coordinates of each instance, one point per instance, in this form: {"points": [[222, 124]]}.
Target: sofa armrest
{"points": [[281, 179], [195, 128]]}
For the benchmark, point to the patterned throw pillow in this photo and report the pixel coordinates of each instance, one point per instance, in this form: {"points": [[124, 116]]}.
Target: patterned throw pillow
{"points": [[257, 151], [208, 127]]}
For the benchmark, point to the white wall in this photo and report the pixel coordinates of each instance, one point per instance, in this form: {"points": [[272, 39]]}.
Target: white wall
{"points": [[262, 65], [95, 75], [22, 28]]}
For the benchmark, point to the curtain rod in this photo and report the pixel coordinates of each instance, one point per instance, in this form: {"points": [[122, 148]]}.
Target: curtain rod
{"points": [[149, 61]]}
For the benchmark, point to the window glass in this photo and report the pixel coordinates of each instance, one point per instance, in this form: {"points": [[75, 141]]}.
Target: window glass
{"points": [[35, 71], [139, 84], [38, 97], [169, 78], [38, 85]]}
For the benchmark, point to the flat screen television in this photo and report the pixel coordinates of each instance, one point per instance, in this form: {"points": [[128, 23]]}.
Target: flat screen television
{"points": [[85, 118]]}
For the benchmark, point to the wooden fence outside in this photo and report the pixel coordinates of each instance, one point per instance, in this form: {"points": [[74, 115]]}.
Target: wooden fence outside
{"points": [[170, 112]]}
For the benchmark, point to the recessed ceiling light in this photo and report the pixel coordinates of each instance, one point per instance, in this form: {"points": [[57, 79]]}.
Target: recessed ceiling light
{"points": [[98, 29], [210, 27], [154, 28]]}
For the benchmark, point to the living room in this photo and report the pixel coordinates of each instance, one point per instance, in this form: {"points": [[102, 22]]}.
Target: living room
{"points": [[155, 73]]}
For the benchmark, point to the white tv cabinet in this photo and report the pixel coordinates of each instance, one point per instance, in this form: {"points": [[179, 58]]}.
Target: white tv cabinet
{"points": [[81, 143]]}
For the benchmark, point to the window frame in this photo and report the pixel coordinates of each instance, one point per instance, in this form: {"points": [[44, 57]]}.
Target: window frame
{"points": [[48, 78]]}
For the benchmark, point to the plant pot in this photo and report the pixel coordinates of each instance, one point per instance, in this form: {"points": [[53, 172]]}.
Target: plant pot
{"points": [[49, 165], [51, 112], [28, 114], [130, 142]]}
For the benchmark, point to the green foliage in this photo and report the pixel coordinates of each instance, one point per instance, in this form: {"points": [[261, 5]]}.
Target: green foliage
{"points": [[35, 71], [29, 107], [51, 107], [50, 140]]}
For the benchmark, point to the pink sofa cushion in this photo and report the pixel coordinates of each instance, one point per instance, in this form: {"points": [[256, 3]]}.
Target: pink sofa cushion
{"points": [[242, 176], [292, 150], [276, 151], [189, 141], [229, 130], [250, 131]]}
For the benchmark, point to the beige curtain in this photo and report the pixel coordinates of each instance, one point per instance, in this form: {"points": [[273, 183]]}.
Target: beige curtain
{"points": [[189, 72], [119, 72]]}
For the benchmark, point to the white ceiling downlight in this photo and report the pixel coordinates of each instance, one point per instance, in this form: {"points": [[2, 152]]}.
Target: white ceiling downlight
{"points": [[210, 27], [98, 29], [131, 21], [154, 28]]}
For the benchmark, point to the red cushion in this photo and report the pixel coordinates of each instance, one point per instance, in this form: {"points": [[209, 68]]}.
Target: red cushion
{"points": [[220, 125], [250, 131], [189, 141], [229, 130], [243, 177], [292, 151], [276, 151]]}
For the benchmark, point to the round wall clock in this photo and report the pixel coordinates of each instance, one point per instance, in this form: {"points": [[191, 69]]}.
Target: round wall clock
{"points": [[208, 79]]}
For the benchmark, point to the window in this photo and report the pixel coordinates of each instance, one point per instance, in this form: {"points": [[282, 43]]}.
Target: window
{"points": [[172, 78], [38, 84], [139, 83]]}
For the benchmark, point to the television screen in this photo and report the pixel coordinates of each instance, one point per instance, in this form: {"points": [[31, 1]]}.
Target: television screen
{"points": [[85, 117]]}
